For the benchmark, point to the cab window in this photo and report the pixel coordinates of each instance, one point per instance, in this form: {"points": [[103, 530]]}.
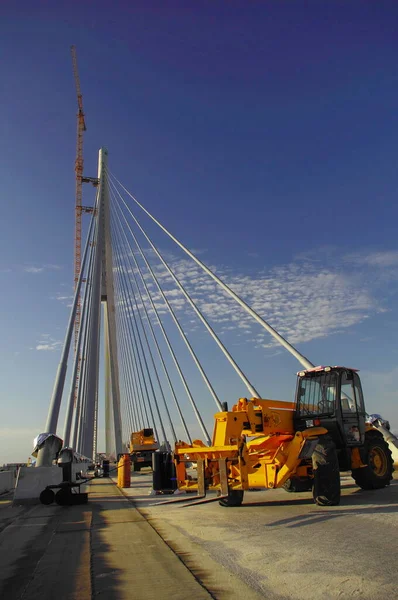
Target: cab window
{"points": [[349, 395], [317, 394]]}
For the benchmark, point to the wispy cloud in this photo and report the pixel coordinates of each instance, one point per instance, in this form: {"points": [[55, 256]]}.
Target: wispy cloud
{"points": [[48, 347], [63, 298], [47, 343], [375, 259], [302, 300], [39, 269]]}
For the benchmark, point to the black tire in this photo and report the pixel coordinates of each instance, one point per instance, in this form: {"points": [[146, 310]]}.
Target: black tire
{"points": [[295, 484], [325, 465], [136, 467], [234, 498], [63, 497], [47, 497], [377, 456]]}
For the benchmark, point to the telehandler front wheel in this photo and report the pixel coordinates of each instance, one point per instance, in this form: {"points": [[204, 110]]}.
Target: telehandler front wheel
{"points": [[234, 498], [325, 466], [379, 465]]}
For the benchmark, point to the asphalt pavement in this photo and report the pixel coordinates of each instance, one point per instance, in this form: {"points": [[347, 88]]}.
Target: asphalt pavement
{"points": [[103, 549], [128, 545], [282, 546]]}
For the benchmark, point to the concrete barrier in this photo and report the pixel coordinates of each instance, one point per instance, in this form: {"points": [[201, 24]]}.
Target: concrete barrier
{"points": [[7, 481], [31, 481]]}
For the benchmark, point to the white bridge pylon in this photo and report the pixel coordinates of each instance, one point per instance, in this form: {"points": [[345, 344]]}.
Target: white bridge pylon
{"points": [[80, 429]]}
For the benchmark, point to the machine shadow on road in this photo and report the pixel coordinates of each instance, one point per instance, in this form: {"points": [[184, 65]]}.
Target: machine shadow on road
{"points": [[358, 503], [382, 500], [317, 516]]}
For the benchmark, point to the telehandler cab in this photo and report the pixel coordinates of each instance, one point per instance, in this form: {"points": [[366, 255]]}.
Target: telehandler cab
{"points": [[299, 446]]}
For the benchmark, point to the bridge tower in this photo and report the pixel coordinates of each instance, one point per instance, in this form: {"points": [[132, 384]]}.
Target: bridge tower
{"points": [[113, 423], [102, 294]]}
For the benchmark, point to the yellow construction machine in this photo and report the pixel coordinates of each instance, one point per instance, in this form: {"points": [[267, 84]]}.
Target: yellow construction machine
{"points": [[142, 446], [300, 446]]}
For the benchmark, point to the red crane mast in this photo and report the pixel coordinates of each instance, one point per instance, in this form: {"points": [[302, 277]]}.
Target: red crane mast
{"points": [[81, 128]]}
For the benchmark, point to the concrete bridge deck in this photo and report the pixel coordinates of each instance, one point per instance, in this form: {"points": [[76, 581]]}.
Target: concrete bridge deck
{"points": [[276, 546], [103, 549]]}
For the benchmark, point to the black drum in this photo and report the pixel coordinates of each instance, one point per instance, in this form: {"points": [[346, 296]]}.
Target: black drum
{"points": [[105, 468], [164, 472]]}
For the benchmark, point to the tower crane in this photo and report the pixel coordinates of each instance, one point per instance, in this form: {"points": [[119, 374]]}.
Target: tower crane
{"points": [[81, 128], [79, 208]]}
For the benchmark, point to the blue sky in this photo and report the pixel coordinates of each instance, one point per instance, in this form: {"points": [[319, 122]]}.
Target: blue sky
{"points": [[263, 134]]}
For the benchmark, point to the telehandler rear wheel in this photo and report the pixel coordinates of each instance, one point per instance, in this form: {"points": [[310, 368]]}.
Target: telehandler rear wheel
{"points": [[377, 456], [325, 465], [234, 498]]}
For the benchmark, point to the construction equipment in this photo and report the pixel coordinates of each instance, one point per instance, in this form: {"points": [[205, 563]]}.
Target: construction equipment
{"points": [[81, 128], [68, 490], [142, 446], [299, 445], [79, 208]]}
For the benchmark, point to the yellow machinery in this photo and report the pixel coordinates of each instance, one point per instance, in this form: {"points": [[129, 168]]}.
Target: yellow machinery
{"points": [[142, 446], [300, 445]]}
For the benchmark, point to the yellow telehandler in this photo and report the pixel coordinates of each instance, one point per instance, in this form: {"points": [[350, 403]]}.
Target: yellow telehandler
{"points": [[300, 446], [142, 446]]}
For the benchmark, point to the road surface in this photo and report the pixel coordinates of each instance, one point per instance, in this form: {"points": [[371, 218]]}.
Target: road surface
{"points": [[283, 546], [125, 546]]}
